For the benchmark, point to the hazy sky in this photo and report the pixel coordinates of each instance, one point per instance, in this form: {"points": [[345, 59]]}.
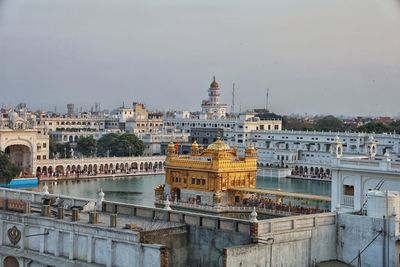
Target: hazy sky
{"points": [[315, 56]]}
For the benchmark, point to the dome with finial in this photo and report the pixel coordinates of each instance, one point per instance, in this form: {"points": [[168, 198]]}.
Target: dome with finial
{"points": [[195, 145], [218, 145], [214, 84]]}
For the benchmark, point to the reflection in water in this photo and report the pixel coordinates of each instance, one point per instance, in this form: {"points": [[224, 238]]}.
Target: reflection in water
{"points": [[139, 189], [295, 185]]}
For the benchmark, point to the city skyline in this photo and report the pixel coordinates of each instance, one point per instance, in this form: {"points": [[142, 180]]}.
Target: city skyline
{"points": [[165, 54]]}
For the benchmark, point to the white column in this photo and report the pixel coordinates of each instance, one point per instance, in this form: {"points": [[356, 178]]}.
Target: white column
{"points": [[42, 240], [71, 246], [22, 241], [89, 248], [1, 233], [109, 252], [57, 243]]}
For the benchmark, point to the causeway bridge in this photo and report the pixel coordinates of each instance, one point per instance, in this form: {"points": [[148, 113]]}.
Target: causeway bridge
{"points": [[99, 165]]}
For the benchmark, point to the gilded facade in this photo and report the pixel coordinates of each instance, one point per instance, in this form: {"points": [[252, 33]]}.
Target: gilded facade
{"points": [[207, 174]]}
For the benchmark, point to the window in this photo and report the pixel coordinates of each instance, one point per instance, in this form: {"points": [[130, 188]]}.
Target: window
{"points": [[38, 157], [193, 181], [276, 127], [44, 145], [203, 182], [44, 157], [348, 190]]}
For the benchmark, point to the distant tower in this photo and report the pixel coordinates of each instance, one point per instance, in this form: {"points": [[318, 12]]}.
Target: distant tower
{"points": [[371, 147], [337, 147], [70, 110], [233, 99], [213, 93], [212, 107]]}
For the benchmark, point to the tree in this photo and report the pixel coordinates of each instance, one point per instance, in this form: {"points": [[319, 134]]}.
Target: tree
{"points": [[376, 127], [291, 123], [86, 145], [8, 170], [62, 149], [329, 123], [105, 144], [120, 145], [52, 148]]}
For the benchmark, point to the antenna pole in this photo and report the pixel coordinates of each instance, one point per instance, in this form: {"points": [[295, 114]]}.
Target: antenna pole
{"points": [[266, 100], [233, 99]]}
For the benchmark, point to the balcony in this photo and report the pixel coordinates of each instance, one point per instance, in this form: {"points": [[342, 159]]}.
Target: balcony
{"points": [[348, 201]]}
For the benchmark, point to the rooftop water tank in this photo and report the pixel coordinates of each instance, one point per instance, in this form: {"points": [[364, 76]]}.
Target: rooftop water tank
{"points": [[376, 205]]}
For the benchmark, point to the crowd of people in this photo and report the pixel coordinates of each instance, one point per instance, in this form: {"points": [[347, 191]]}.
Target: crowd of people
{"points": [[323, 176], [82, 173], [267, 203]]}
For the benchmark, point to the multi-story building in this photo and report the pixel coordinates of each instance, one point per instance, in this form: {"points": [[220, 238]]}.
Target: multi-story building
{"points": [[144, 121], [22, 138]]}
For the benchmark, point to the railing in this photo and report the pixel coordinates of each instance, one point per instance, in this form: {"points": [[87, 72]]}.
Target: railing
{"points": [[228, 208], [348, 201], [37, 197]]}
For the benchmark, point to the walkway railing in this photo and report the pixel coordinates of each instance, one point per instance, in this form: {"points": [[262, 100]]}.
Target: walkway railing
{"points": [[224, 208]]}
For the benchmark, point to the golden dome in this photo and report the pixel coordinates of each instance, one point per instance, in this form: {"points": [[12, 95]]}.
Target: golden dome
{"points": [[171, 145], [214, 84], [195, 144], [218, 145]]}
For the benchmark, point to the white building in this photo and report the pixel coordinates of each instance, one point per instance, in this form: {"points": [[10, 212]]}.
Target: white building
{"points": [[22, 139], [212, 108]]}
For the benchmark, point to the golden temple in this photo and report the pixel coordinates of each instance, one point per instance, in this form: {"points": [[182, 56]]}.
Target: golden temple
{"points": [[206, 175]]}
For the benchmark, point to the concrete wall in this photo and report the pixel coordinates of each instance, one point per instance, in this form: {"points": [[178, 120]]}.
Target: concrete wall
{"points": [[208, 234], [356, 232], [71, 244], [292, 241]]}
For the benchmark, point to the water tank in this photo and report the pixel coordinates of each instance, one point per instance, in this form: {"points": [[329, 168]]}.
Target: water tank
{"points": [[376, 205]]}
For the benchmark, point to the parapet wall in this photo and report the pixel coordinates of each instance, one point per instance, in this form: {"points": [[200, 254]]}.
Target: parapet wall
{"points": [[190, 218], [49, 241], [291, 241]]}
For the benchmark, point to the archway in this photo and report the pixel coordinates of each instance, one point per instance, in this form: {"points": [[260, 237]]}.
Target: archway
{"points": [[10, 262], [59, 168], [176, 193], [21, 156], [134, 166]]}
